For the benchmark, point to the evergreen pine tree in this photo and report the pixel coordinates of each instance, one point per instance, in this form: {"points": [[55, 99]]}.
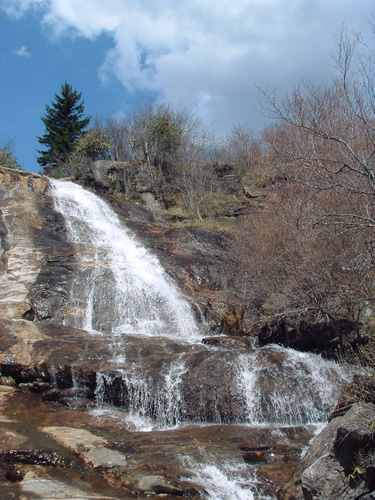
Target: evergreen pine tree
{"points": [[65, 123]]}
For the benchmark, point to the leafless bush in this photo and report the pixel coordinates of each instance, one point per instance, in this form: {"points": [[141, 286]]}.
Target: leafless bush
{"points": [[308, 271]]}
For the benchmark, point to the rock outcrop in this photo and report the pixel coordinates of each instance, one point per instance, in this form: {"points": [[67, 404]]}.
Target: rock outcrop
{"points": [[54, 451], [33, 249], [160, 378], [317, 337], [37, 264], [340, 463], [62, 447]]}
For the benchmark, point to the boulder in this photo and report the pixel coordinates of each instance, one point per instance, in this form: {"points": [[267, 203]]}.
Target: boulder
{"points": [[340, 462], [125, 177], [146, 485], [94, 450]]}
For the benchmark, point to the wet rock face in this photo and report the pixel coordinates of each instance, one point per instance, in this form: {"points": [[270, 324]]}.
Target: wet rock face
{"points": [[194, 258], [320, 338], [168, 381], [34, 255]]}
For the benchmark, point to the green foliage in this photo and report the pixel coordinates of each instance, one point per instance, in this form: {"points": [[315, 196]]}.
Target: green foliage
{"points": [[112, 179], [356, 472], [155, 135], [65, 123], [7, 380], [88, 148], [92, 147], [7, 159], [166, 137]]}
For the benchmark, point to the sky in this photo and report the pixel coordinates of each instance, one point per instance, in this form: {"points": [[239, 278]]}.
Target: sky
{"points": [[208, 55]]}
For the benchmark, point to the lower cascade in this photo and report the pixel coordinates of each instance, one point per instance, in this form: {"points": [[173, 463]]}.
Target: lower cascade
{"points": [[216, 416]]}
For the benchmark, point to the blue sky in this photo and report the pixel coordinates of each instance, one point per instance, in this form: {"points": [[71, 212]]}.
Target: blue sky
{"points": [[207, 55]]}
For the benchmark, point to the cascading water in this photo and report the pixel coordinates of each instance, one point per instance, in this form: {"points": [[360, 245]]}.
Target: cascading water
{"points": [[304, 386], [223, 482], [141, 298], [159, 373], [119, 280]]}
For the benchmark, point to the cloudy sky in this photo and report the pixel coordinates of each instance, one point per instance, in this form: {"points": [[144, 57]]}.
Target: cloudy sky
{"points": [[208, 55]]}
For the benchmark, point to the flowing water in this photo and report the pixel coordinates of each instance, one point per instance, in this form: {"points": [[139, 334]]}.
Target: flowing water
{"points": [[158, 372], [141, 298]]}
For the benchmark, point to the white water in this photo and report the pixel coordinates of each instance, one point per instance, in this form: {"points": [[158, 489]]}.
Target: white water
{"points": [[305, 386], [301, 389], [164, 403], [223, 482], [120, 281], [143, 299]]}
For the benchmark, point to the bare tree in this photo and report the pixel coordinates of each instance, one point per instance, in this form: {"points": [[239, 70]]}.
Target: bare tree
{"points": [[319, 273], [326, 136], [193, 174], [242, 148]]}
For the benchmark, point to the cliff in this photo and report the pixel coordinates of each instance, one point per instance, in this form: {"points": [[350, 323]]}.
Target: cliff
{"points": [[30, 232]]}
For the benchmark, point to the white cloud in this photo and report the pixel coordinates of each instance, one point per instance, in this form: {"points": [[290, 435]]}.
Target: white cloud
{"points": [[207, 53], [23, 52], [16, 8]]}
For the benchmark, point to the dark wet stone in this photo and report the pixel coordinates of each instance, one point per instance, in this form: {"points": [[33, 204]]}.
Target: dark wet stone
{"points": [[229, 342], [244, 447], [35, 386], [14, 475], [68, 396], [255, 457], [35, 457], [319, 338]]}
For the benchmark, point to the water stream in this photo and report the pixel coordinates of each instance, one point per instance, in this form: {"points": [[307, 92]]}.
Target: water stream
{"points": [[159, 374], [141, 298]]}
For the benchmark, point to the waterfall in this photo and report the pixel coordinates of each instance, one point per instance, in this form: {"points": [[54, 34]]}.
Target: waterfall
{"points": [[149, 362], [142, 397], [121, 287]]}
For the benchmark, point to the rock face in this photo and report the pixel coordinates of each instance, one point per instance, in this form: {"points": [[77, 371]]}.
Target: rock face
{"points": [[320, 338], [108, 174], [33, 274], [340, 464], [37, 265], [165, 380]]}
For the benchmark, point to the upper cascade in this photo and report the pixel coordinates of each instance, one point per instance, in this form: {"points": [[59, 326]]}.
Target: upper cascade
{"points": [[141, 298]]}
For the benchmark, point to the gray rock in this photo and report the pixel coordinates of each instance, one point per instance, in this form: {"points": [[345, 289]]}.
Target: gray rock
{"points": [[156, 484], [328, 469]]}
